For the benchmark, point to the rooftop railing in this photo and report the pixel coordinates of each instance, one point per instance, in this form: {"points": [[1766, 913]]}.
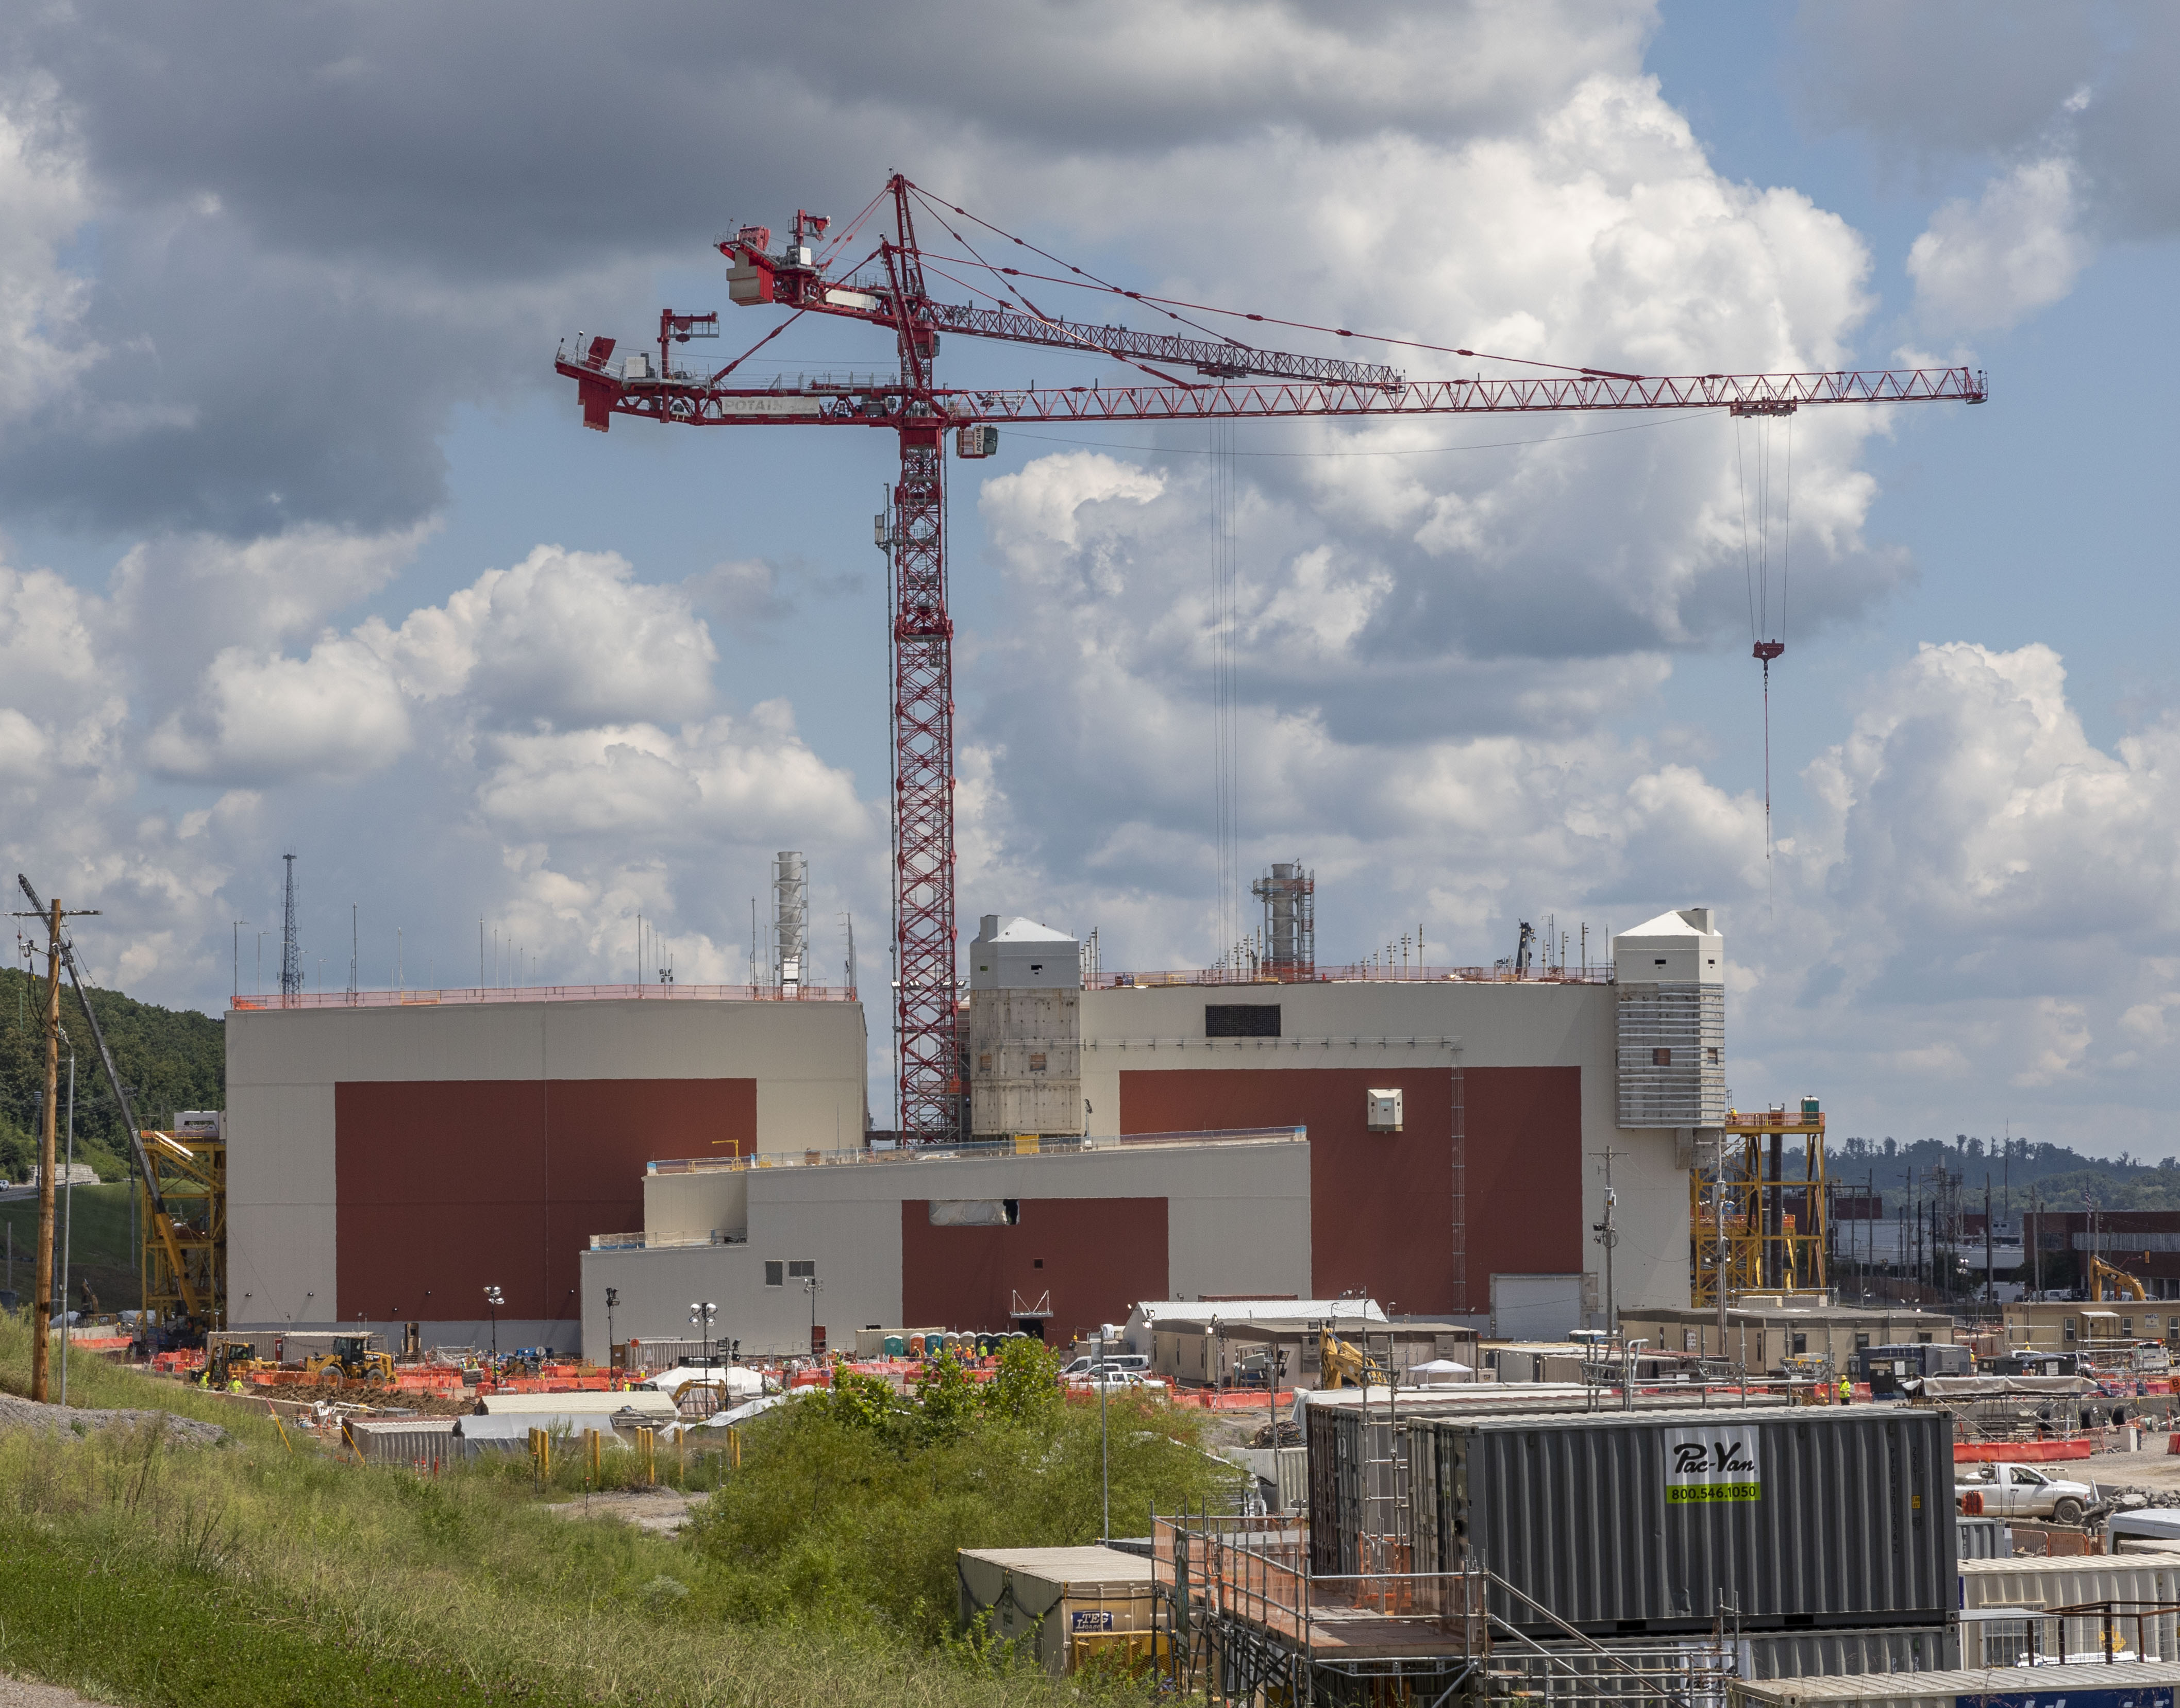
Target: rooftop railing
{"points": [[550, 993], [977, 1149], [1363, 972]]}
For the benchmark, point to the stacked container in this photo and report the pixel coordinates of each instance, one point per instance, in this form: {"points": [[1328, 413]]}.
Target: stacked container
{"points": [[1989, 1588], [1630, 1524]]}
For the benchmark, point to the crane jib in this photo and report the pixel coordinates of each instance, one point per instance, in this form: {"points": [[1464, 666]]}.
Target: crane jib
{"points": [[896, 406]]}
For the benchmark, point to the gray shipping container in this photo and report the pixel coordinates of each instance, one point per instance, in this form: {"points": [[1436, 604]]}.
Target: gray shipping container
{"points": [[425, 1443], [1632, 1523], [1983, 1539]]}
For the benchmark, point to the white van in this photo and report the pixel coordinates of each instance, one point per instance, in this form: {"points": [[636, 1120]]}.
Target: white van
{"points": [[1083, 1369]]}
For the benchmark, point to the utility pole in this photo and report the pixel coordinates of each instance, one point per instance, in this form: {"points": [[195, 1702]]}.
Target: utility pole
{"points": [[42, 1285], [1608, 1237], [67, 1225], [2036, 1247], [1989, 1286]]}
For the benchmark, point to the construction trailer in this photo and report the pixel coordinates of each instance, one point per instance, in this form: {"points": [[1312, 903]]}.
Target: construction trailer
{"points": [[1068, 1608]]}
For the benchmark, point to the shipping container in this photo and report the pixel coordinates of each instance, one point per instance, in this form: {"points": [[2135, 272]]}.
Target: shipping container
{"points": [[1829, 1654], [1067, 1606], [424, 1443], [1983, 1539], [2123, 1685], [1631, 1522], [2036, 1582]]}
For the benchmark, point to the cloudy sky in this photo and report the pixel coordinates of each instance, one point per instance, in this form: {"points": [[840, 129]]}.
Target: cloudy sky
{"points": [[302, 548]]}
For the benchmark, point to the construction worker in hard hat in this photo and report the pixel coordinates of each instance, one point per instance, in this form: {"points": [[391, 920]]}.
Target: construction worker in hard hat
{"points": [[1846, 1391]]}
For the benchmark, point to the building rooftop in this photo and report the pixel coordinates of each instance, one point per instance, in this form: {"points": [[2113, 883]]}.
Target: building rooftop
{"points": [[977, 1150], [1084, 1571], [549, 992]]}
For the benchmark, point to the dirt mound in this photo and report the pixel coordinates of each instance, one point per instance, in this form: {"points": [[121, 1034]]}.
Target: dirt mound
{"points": [[17, 1412]]}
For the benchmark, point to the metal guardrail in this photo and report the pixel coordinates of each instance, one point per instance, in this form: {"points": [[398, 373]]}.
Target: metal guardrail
{"points": [[1248, 1580], [646, 1241]]}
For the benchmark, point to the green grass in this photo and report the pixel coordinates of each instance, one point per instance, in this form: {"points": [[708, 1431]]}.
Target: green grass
{"points": [[142, 1571], [99, 1246]]}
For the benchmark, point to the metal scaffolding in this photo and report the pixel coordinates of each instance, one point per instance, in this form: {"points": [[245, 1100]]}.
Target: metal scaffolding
{"points": [[1766, 1230], [189, 1178]]}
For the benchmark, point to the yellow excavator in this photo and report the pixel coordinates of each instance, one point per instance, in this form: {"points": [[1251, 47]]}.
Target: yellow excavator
{"points": [[1344, 1365], [2123, 1285]]}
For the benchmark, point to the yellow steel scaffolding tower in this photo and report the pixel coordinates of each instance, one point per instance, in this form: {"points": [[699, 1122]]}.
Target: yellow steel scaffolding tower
{"points": [[184, 1263], [1766, 1230]]}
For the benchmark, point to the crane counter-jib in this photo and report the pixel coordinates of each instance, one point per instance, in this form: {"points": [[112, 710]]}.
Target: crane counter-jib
{"points": [[604, 394]]}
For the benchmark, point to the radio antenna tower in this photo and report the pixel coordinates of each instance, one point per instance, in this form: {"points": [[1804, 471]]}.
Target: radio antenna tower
{"points": [[291, 947]]}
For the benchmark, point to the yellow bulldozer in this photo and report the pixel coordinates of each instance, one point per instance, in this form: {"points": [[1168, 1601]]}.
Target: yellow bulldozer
{"points": [[353, 1361], [1345, 1365]]}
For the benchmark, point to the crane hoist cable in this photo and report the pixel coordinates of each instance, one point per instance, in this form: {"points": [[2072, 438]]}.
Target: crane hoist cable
{"points": [[1767, 642]]}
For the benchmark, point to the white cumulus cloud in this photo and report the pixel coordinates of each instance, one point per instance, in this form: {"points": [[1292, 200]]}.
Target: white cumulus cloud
{"points": [[2017, 248]]}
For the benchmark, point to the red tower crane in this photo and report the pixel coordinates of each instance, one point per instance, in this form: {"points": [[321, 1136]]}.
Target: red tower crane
{"points": [[887, 286]]}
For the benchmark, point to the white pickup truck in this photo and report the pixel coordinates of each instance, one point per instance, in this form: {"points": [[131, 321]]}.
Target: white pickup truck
{"points": [[2022, 1491]]}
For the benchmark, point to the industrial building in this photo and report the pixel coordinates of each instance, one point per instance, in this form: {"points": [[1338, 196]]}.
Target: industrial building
{"points": [[1437, 1141], [391, 1156]]}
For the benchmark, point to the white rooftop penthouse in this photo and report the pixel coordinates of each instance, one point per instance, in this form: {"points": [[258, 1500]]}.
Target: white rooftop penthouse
{"points": [[1022, 954], [1669, 979]]}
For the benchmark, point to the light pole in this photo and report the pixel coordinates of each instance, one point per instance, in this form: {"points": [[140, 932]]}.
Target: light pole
{"points": [[613, 1298], [700, 1313], [237, 933], [493, 1299], [814, 1287], [1104, 1454]]}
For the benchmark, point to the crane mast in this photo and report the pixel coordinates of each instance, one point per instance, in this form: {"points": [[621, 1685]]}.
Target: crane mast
{"points": [[1234, 380], [925, 990]]}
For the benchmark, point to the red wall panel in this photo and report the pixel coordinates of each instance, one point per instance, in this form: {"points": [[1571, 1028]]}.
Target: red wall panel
{"points": [[1525, 1176], [1100, 1256], [1381, 1205], [446, 1187]]}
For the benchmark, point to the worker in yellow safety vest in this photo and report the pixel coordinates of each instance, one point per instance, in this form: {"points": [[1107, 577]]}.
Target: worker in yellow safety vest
{"points": [[1846, 1391]]}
